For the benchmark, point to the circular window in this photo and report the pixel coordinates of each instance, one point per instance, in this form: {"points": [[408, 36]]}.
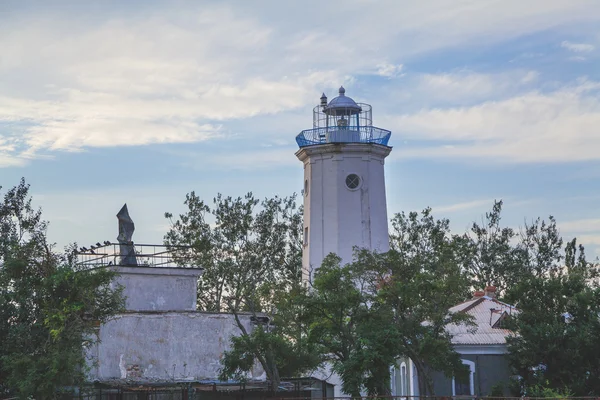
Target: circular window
{"points": [[352, 181]]}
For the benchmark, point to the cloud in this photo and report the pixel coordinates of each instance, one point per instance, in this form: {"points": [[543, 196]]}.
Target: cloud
{"points": [[483, 204], [7, 160], [137, 82], [277, 156], [558, 126], [582, 225], [467, 205], [180, 74], [577, 47], [593, 240], [389, 70], [468, 85], [587, 232], [577, 58]]}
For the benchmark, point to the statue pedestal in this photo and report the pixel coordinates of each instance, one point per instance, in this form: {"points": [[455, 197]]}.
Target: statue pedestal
{"points": [[159, 289]]}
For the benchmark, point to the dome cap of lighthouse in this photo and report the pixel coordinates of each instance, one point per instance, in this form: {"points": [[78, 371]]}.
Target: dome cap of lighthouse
{"points": [[342, 105]]}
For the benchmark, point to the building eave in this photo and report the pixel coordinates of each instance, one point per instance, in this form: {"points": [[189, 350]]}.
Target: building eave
{"points": [[378, 150], [481, 349]]}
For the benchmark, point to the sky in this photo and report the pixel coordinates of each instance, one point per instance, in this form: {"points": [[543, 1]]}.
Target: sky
{"points": [[140, 102]]}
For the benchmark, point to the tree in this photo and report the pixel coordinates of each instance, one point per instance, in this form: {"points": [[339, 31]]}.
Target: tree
{"points": [[280, 341], [556, 291], [366, 314], [251, 251], [48, 306], [350, 327], [558, 323], [488, 254], [423, 280]]}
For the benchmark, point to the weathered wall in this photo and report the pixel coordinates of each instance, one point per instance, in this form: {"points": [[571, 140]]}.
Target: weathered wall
{"points": [[159, 289], [163, 345]]}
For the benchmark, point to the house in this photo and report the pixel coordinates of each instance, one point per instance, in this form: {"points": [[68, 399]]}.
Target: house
{"points": [[482, 348]]}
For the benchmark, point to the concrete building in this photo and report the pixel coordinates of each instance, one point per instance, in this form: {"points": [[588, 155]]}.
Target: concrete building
{"points": [[161, 337], [344, 186]]}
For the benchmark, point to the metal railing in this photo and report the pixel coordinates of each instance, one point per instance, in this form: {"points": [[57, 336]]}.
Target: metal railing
{"points": [[345, 134], [146, 255]]}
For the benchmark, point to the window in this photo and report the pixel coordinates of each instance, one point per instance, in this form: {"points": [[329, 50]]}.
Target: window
{"points": [[306, 187], [462, 387], [403, 380], [342, 123], [306, 235], [352, 181], [465, 386]]}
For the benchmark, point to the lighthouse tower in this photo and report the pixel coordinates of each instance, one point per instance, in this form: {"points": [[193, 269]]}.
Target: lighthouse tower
{"points": [[344, 185]]}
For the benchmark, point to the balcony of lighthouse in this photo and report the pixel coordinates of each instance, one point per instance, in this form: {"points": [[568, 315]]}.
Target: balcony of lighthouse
{"points": [[342, 120]]}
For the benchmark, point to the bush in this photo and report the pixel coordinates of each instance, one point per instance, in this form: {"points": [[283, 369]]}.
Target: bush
{"points": [[542, 391], [497, 390]]}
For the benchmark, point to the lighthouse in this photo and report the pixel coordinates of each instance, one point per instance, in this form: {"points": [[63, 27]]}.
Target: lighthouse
{"points": [[344, 183]]}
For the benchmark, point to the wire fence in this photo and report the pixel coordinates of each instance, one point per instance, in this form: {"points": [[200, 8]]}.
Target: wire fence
{"points": [[187, 393], [195, 393]]}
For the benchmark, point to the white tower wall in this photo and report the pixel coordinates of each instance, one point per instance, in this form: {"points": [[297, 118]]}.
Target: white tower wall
{"points": [[337, 218]]}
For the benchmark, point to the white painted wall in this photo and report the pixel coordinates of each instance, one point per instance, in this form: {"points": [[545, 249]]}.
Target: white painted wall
{"points": [[335, 217]]}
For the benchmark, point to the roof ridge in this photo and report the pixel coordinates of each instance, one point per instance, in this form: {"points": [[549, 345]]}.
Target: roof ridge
{"points": [[502, 303], [463, 302], [471, 306]]}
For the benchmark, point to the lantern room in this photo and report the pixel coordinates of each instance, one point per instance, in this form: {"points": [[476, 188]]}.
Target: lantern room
{"points": [[342, 120]]}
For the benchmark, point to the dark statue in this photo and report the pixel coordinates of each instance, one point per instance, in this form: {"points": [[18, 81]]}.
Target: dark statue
{"points": [[126, 228]]}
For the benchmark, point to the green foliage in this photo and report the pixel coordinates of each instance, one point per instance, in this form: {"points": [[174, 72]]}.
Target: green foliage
{"points": [[48, 308], [382, 306], [362, 316], [350, 326], [243, 244], [488, 254], [423, 280], [251, 252], [558, 325], [547, 281], [546, 392], [497, 390], [280, 342]]}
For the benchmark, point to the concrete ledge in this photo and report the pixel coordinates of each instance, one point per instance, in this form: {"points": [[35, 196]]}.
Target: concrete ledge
{"points": [[375, 150], [168, 271]]}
